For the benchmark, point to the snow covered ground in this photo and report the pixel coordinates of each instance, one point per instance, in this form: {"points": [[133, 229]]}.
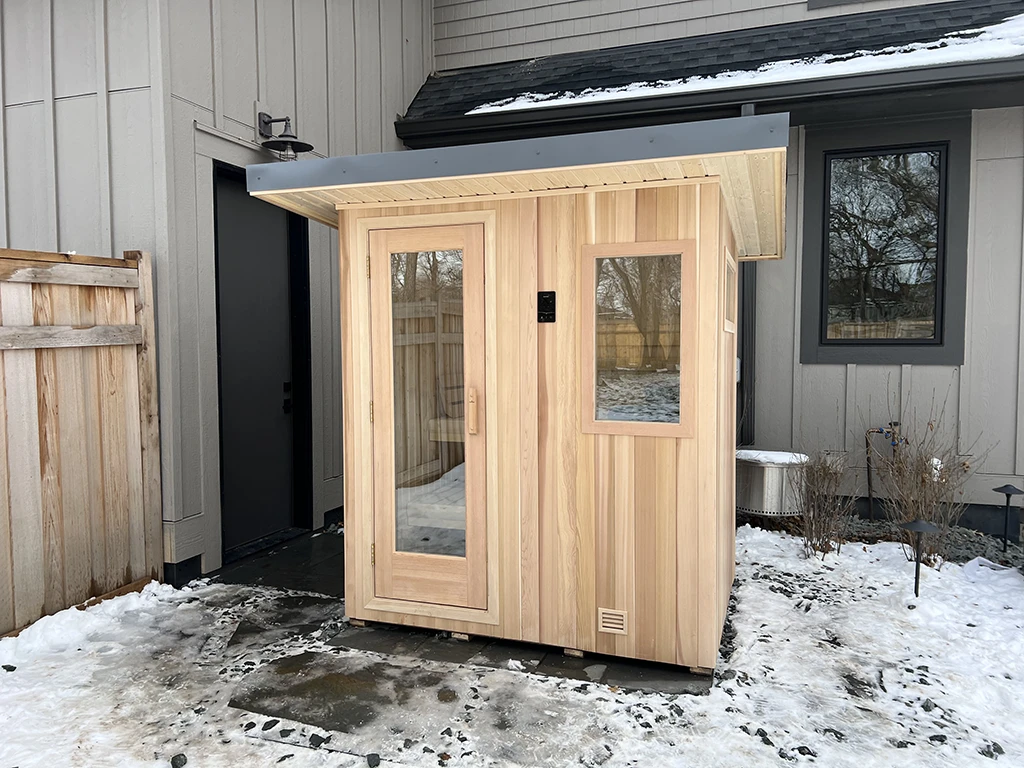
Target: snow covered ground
{"points": [[628, 395], [832, 663]]}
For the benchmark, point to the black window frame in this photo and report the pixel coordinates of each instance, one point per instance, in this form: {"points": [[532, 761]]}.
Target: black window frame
{"points": [[952, 136], [940, 251]]}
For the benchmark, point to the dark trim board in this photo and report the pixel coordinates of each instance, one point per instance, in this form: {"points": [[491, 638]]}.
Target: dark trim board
{"points": [[952, 131], [747, 353]]}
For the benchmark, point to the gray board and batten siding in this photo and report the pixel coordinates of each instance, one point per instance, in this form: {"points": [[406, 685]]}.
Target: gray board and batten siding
{"points": [[472, 32], [114, 113], [829, 406]]}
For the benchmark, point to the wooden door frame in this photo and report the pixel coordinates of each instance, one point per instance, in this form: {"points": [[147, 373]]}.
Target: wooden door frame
{"points": [[355, 241], [299, 300], [430, 578]]}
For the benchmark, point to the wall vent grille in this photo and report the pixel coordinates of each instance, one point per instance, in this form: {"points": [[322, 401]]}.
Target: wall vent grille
{"points": [[613, 622]]}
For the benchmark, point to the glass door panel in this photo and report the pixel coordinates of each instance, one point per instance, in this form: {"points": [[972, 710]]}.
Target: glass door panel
{"points": [[430, 402]]}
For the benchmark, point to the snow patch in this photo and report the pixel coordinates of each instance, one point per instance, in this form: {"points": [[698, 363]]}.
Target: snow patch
{"points": [[771, 458], [997, 41]]}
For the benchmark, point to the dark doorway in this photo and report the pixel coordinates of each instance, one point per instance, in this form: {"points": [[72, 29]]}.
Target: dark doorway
{"points": [[263, 364]]}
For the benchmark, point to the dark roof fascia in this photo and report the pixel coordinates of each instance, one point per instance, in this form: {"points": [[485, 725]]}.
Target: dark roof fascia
{"points": [[630, 145], [602, 115]]}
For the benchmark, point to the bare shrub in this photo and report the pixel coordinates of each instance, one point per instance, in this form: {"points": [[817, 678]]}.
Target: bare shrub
{"points": [[924, 479], [824, 511]]}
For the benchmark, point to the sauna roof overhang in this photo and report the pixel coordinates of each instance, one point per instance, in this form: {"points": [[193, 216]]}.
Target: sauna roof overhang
{"points": [[747, 155]]}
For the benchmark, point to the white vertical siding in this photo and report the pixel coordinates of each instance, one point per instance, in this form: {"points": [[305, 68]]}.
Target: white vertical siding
{"points": [[472, 32], [342, 69], [811, 407]]}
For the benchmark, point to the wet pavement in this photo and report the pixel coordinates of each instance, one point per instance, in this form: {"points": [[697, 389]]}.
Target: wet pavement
{"points": [[311, 562]]}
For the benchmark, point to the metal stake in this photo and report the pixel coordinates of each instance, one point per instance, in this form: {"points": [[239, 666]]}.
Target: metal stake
{"points": [[917, 564], [919, 527], [1008, 491]]}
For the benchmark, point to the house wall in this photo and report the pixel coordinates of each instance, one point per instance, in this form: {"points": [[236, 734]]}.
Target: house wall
{"points": [[342, 69], [640, 524], [78, 156], [810, 407], [113, 113], [471, 32]]}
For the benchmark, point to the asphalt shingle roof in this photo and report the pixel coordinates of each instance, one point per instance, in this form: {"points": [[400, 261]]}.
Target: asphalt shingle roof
{"points": [[448, 94]]}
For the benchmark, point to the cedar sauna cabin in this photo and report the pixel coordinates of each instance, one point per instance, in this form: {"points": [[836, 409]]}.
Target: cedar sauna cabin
{"points": [[539, 352]]}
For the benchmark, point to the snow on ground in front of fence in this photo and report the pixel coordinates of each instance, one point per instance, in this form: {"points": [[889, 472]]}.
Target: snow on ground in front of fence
{"points": [[833, 663]]}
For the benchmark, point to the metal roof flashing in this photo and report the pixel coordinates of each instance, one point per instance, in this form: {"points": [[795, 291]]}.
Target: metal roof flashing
{"points": [[746, 154], [627, 145]]}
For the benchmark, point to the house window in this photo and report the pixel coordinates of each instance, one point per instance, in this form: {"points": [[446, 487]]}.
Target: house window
{"points": [[884, 261], [639, 320], [884, 245]]}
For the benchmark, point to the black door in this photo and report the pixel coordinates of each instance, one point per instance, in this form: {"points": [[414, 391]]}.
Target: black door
{"points": [[260, 285]]}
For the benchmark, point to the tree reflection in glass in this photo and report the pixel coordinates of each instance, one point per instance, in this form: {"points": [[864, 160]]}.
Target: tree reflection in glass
{"points": [[883, 245], [637, 339]]}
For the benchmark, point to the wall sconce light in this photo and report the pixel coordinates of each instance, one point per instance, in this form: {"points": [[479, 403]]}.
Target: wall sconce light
{"points": [[287, 143]]}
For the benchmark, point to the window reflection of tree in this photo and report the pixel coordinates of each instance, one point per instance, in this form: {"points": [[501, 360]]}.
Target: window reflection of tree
{"points": [[645, 290], [883, 242], [427, 276]]}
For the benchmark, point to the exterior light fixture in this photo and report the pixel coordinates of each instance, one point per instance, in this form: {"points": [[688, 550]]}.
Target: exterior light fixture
{"points": [[1008, 491], [287, 143], [918, 527]]}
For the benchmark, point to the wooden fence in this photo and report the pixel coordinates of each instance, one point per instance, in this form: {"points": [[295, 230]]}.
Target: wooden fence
{"points": [[428, 389], [80, 511], [882, 329], [621, 345]]}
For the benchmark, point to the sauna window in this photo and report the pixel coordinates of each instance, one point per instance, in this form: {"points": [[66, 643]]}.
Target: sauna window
{"points": [[730, 293], [636, 335]]}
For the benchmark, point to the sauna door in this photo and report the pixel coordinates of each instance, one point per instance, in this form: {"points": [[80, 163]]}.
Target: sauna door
{"points": [[427, 341]]}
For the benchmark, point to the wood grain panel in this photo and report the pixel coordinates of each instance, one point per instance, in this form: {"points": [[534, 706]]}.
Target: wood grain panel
{"points": [[110, 309], [707, 425], [640, 524], [50, 461], [7, 620], [74, 481], [529, 421], [25, 486], [508, 407], [586, 529]]}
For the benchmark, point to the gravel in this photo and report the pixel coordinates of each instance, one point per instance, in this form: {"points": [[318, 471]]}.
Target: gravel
{"points": [[964, 543]]}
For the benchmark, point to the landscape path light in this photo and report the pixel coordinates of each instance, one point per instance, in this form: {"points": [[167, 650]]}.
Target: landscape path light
{"points": [[919, 527], [1008, 490]]}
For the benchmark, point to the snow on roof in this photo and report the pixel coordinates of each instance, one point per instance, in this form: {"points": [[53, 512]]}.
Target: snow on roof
{"points": [[1004, 40]]}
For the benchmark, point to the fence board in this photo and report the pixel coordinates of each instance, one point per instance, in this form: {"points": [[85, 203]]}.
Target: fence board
{"points": [[79, 438], [149, 423], [129, 262], [25, 482], [6, 566], [53, 336], [115, 456], [23, 271], [50, 461], [74, 475]]}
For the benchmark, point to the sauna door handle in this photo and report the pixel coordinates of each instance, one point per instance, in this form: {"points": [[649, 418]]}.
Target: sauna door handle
{"points": [[471, 417]]}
